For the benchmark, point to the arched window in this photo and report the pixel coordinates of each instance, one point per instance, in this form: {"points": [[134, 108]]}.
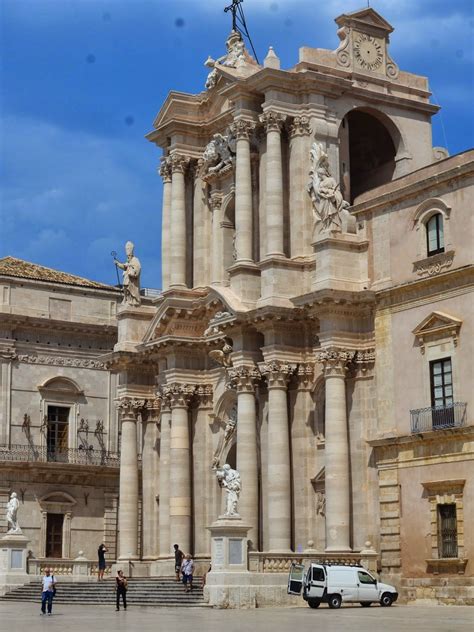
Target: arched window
{"points": [[435, 234]]}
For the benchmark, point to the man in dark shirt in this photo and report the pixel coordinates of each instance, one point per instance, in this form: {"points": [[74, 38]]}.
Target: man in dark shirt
{"points": [[101, 555], [178, 560]]}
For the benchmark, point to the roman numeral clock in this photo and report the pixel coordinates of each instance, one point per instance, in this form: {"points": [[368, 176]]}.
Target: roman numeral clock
{"points": [[368, 51]]}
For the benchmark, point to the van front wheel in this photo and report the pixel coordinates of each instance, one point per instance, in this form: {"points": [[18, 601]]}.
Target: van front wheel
{"points": [[386, 600], [313, 603], [334, 601]]}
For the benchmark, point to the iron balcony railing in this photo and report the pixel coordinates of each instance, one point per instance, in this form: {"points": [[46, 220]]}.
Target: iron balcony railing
{"points": [[438, 417], [75, 456]]}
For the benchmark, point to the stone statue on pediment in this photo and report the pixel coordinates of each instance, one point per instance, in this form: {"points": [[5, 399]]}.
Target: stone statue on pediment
{"points": [[326, 197], [131, 277], [235, 55]]}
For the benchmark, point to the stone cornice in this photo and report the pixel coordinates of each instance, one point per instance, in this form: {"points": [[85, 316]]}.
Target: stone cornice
{"points": [[429, 437], [108, 326], [414, 183]]}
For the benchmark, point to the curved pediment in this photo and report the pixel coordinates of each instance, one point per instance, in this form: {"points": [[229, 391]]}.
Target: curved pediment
{"points": [[61, 385]]}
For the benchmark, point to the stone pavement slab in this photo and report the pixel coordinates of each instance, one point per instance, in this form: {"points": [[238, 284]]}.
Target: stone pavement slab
{"points": [[25, 617]]}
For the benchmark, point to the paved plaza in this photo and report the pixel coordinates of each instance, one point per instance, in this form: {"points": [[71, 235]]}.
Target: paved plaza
{"points": [[26, 617]]}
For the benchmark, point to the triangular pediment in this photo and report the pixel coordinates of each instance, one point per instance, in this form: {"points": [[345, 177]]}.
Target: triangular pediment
{"points": [[365, 17], [437, 321], [185, 317]]}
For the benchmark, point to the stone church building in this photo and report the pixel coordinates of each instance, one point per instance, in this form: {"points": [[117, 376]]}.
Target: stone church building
{"points": [[315, 326]]}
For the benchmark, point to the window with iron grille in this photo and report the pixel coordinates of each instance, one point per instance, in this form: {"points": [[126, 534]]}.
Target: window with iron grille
{"points": [[435, 235], [447, 531]]}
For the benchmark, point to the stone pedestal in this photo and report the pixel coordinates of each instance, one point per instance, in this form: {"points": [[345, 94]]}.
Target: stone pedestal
{"points": [[13, 561], [229, 545], [132, 325], [341, 262]]}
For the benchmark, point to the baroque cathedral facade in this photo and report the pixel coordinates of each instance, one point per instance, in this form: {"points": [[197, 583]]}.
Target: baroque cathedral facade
{"points": [[315, 326]]}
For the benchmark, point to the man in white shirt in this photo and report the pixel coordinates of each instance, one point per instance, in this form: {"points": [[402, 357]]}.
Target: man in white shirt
{"points": [[47, 591]]}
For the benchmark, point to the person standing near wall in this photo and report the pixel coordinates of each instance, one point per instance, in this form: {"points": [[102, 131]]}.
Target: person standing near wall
{"points": [[121, 586], [48, 591], [187, 570], [101, 551], [178, 560]]}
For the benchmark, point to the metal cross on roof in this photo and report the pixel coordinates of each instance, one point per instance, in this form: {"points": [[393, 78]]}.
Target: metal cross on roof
{"points": [[233, 8]]}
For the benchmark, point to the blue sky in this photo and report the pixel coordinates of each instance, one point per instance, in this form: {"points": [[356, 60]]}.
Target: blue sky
{"points": [[82, 80]]}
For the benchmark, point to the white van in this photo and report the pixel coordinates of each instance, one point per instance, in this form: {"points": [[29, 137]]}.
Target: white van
{"points": [[334, 584]]}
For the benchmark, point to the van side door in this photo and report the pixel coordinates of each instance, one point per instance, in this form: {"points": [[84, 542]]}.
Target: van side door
{"points": [[367, 587], [295, 579], [316, 582]]}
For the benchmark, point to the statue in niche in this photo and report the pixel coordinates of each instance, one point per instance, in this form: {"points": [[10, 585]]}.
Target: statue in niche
{"points": [[12, 512], [131, 277], [229, 479], [321, 504], [219, 153], [325, 192], [224, 440], [235, 54]]}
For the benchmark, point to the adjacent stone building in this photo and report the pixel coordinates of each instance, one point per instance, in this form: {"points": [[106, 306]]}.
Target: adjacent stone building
{"points": [[315, 325], [58, 420]]}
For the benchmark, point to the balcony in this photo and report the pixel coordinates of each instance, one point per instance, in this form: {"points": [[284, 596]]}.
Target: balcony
{"points": [[438, 417], [40, 454]]}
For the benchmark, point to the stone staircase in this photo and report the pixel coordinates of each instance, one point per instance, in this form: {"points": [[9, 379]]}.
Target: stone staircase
{"points": [[150, 591]]}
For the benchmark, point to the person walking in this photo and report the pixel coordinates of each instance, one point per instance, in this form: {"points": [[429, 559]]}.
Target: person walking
{"points": [[101, 551], [121, 586], [187, 569], [178, 560], [48, 591]]}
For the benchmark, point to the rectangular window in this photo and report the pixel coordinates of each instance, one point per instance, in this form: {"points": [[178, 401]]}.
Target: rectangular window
{"points": [[447, 531], [57, 433], [435, 235], [441, 377]]}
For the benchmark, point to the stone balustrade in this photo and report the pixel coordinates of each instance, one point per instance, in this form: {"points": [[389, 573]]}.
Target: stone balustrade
{"points": [[73, 569], [281, 563]]}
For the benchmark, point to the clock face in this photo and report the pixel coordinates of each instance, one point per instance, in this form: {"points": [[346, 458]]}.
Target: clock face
{"points": [[368, 52]]}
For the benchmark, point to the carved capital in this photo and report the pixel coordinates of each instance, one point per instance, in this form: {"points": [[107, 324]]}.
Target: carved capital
{"points": [[300, 126], [179, 394], [273, 121], [178, 163], [364, 360], [165, 404], [243, 378], [130, 407], [203, 394], [334, 361], [277, 373], [242, 129], [215, 201], [305, 375], [165, 169]]}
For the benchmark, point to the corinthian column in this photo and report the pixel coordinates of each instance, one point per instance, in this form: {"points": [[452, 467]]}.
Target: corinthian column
{"points": [[273, 122], [336, 450], [180, 465], [149, 480], [128, 502], [165, 173], [178, 221], [217, 263], [164, 506], [201, 473], [278, 458], [300, 210], [242, 129], [201, 232], [244, 380]]}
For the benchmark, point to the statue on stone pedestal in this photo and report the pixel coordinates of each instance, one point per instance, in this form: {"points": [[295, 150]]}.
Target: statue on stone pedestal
{"points": [[229, 479], [12, 511], [131, 277], [325, 192]]}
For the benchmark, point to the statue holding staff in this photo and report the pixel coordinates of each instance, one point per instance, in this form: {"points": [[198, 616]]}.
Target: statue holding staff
{"points": [[131, 277]]}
